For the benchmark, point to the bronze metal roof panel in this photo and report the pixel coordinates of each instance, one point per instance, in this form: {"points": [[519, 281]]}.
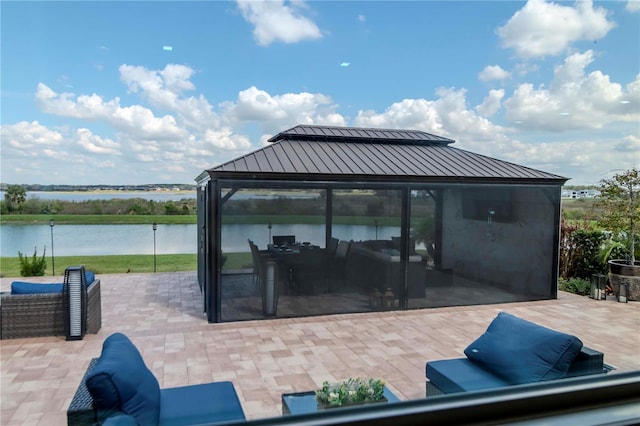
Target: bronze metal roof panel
{"points": [[365, 135], [314, 159]]}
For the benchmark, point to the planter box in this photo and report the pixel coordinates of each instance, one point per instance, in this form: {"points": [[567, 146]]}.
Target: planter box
{"points": [[621, 272], [305, 402], [324, 406]]}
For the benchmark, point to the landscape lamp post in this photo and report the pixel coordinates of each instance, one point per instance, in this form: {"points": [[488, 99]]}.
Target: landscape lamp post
{"points": [[52, 223], [155, 227]]}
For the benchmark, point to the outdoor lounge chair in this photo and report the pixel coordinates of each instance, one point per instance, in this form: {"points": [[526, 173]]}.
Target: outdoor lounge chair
{"points": [[513, 351], [118, 388], [37, 310]]}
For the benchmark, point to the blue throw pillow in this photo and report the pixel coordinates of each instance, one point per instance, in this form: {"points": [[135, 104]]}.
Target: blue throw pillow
{"points": [[90, 277], [21, 287], [121, 382], [520, 351]]}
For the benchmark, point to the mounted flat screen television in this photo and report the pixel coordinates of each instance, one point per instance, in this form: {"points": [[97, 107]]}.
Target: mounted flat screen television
{"points": [[482, 204]]}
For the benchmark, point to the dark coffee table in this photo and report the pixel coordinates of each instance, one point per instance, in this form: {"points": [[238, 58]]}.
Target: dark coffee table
{"points": [[305, 402]]}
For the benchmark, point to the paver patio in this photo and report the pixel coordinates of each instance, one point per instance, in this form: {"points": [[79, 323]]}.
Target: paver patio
{"points": [[162, 314]]}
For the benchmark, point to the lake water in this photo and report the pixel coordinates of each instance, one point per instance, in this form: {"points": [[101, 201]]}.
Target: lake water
{"points": [[73, 240]]}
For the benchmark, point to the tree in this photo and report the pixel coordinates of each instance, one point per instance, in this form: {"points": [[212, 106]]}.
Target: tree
{"points": [[620, 199], [15, 196]]}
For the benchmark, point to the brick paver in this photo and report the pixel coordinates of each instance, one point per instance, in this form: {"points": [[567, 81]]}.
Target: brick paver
{"points": [[162, 314]]}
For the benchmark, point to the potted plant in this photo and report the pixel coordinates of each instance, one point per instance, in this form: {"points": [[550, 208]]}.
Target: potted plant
{"points": [[424, 233], [353, 391], [620, 200]]}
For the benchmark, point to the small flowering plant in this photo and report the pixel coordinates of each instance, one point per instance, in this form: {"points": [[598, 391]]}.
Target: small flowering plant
{"points": [[350, 391]]}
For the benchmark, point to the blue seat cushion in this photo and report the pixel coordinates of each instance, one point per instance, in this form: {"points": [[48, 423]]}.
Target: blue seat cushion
{"points": [[120, 419], [520, 351], [461, 375], [21, 287], [200, 404], [121, 382]]}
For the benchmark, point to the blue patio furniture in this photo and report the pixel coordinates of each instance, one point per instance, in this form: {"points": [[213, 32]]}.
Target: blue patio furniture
{"points": [[513, 351], [118, 388]]}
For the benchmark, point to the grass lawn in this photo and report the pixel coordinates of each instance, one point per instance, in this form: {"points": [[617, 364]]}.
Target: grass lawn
{"points": [[10, 266], [97, 219]]}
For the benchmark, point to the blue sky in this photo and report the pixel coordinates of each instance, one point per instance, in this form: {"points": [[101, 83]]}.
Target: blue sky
{"points": [[155, 92]]}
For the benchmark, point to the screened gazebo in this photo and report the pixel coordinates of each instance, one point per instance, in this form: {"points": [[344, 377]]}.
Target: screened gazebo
{"points": [[330, 220]]}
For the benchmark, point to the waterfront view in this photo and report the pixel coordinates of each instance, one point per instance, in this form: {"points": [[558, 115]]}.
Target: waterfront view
{"points": [[114, 239], [98, 240]]}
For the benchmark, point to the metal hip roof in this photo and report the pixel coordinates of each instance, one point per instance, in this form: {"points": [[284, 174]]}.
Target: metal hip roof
{"points": [[398, 161]]}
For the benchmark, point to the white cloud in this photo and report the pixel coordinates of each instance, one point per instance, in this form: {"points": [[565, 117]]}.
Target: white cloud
{"points": [[491, 103], [225, 139], [447, 116], [95, 144], [26, 138], [273, 20], [33, 153], [418, 114], [134, 119], [276, 112], [463, 123], [630, 144], [574, 99], [186, 140], [450, 116], [542, 29], [583, 159], [164, 89], [191, 136], [493, 72], [633, 6], [107, 164]]}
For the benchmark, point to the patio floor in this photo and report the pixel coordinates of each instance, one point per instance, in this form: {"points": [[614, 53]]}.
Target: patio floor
{"points": [[162, 314]]}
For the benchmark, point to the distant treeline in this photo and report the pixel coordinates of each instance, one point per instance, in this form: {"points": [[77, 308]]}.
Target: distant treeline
{"points": [[381, 204], [86, 188], [114, 206]]}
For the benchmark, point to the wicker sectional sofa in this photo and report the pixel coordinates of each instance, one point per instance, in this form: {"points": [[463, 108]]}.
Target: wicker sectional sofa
{"points": [[43, 314]]}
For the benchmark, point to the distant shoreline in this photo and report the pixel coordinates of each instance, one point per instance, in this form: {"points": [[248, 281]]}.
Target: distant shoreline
{"points": [[119, 191]]}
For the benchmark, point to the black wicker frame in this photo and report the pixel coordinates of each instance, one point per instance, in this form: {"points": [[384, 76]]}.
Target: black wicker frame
{"points": [[81, 410], [38, 315]]}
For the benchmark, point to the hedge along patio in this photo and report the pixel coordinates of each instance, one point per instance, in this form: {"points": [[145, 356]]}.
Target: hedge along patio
{"points": [[490, 228]]}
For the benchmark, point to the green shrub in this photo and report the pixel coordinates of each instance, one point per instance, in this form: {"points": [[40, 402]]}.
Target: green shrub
{"points": [[171, 209], [580, 251], [588, 243], [34, 267], [579, 286]]}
